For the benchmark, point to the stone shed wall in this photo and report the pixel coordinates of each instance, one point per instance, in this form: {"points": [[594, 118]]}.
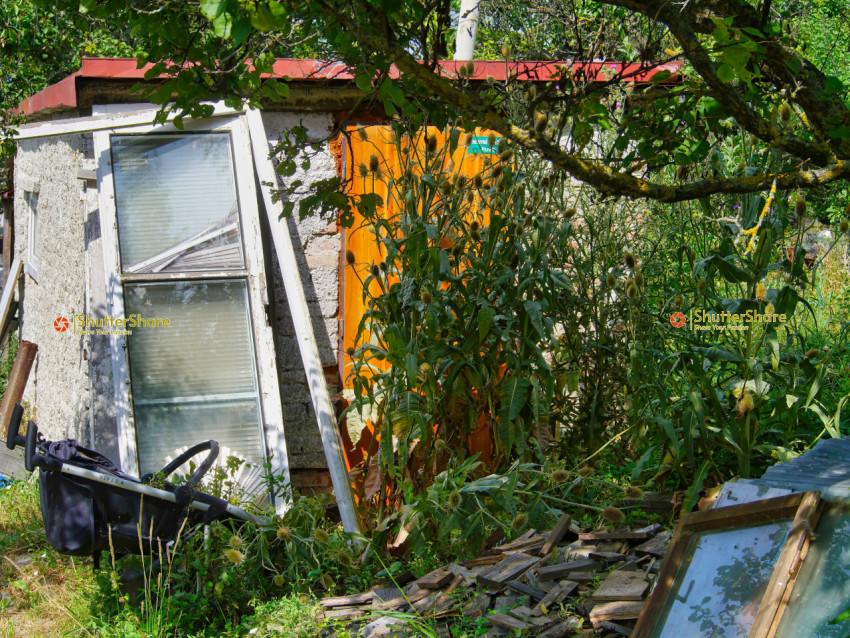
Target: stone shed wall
{"points": [[58, 384]]}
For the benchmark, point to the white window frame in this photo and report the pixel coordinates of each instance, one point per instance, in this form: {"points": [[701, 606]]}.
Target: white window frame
{"points": [[271, 409], [31, 201]]}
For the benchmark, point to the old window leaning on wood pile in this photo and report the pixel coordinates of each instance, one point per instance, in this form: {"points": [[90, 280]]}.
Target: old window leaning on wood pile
{"points": [[186, 248], [729, 571]]}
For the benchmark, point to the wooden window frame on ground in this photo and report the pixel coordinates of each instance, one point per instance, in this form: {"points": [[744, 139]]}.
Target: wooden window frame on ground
{"points": [[804, 510], [269, 390]]}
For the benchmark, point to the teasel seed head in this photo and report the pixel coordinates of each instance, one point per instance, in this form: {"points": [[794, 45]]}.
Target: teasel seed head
{"points": [[631, 289], [467, 138], [506, 51], [769, 309], [586, 470], [345, 559], [678, 301], [611, 280], [234, 556], [457, 249], [506, 156], [235, 542], [491, 140], [470, 197], [785, 112], [446, 188], [560, 475], [478, 180], [702, 285], [439, 445], [454, 499], [569, 213], [634, 492], [432, 142], [374, 163], [326, 581], [383, 266], [545, 181], [321, 535], [761, 291], [375, 270], [497, 171], [349, 257], [364, 170], [350, 352], [514, 261], [363, 134], [426, 297], [800, 207], [279, 580], [613, 514], [639, 280], [630, 261], [811, 354], [474, 225], [844, 226], [540, 122], [519, 521]]}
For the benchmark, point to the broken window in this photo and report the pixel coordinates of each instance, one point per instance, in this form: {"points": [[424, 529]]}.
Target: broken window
{"points": [[182, 241]]}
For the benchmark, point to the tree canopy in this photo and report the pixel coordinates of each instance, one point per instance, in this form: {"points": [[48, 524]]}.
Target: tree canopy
{"points": [[761, 74]]}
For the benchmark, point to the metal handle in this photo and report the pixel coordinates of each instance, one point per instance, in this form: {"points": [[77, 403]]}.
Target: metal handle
{"points": [[193, 481], [12, 436]]}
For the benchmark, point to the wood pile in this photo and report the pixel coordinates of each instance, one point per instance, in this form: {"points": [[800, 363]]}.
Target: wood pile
{"points": [[552, 584]]}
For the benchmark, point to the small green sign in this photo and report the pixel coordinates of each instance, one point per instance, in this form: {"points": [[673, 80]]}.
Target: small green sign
{"points": [[481, 146]]}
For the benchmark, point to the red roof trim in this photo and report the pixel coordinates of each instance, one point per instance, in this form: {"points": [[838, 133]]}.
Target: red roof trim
{"points": [[63, 94]]}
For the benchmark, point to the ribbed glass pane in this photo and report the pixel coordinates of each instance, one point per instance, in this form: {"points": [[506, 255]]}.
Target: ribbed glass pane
{"points": [[195, 379], [175, 196]]}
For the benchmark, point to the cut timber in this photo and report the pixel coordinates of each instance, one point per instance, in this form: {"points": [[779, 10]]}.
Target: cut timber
{"points": [[656, 546], [7, 303], [620, 610], [527, 590], [509, 569], [321, 398], [507, 622], [525, 544], [344, 613], [437, 579], [347, 601], [412, 598], [566, 628], [614, 536], [554, 572], [622, 586], [557, 533], [555, 596], [617, 629], [17, 382]]}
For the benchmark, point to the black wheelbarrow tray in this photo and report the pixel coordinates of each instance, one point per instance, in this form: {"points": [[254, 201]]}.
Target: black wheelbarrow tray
{"points": [[89, 505]]}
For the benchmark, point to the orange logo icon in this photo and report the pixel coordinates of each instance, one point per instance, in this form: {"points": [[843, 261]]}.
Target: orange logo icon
{"points": [[61, 324], [677, 319]]}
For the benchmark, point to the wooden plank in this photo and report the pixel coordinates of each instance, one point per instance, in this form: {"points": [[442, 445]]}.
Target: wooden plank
{"points": [[622, 586], [509, 569], [655, 546], [562, 630], [558, 532], [347, 601], [784, 577], [619, 610], [584, 577], [17, 383], [614, 536], [383, 594], [507, 622], [526, 544], [12, 462], [412, 598], [7, 302], [527, 590], [344, 613], [437, 579], [483, 561], [321, 398], [608, 558], [555, 596], [615, 628], [554, 572]]}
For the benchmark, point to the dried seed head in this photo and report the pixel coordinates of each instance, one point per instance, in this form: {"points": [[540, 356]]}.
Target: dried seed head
{"points": [[350, 351], [235, 542], [545, 181], [560, 475], [634, 492], [800, 207], [470, 197], [467, 138], [769, 309], [785, 112], [611, 280], [701, 285], [476, 236], [364, 170], [461, 182], [678, 301], [326, 581], [491, 140], [844, 226], [234, 556], [478, 180], [613, 514], [639, 279], [345, 559], [540, 122], [474, 226], [363, 133], [279, 580], [321, 535], [375, 270], [426, 296], [569, 213], [490, 79], [502, 145], [692, 254], [811, 354], [457, 250], [454, 499], [383, 266], [446, 188], [586, 470], [631, 290], [470, 68], [519, 521], [514, 261], [630, 261], [506, 51], [432, 143], [374, 163], [450, 166], [506, 155], [349, 257], [439, 445], [761, 291]]}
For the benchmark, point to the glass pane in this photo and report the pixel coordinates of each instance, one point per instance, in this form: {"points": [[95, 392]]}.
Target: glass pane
{"points": [[822, 591], [719, 587], [195, 379], [176, 201]]}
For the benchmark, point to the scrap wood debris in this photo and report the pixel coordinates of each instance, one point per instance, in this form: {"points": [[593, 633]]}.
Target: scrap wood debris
{"points": [[552, 584]]}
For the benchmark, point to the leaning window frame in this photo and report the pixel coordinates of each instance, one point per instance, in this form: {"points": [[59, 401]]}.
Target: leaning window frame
{"points": [[271, 411]]}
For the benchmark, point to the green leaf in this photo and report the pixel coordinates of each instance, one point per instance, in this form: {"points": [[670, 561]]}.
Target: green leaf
{"points": [[485, 321], [725, 73], [692, 493], [363, 81], [513, 397]]}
